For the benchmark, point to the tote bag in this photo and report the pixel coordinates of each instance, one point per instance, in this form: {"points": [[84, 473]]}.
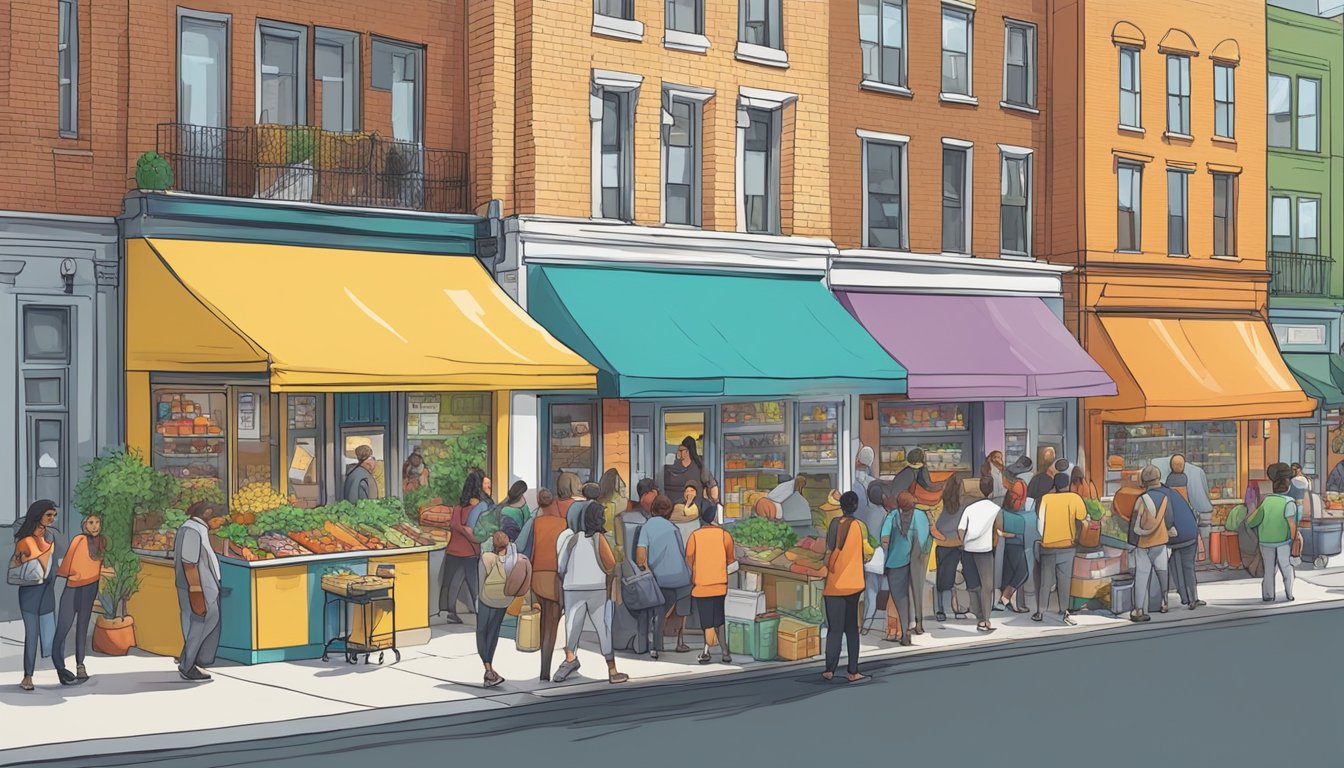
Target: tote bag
{"points": [[639, 589]]}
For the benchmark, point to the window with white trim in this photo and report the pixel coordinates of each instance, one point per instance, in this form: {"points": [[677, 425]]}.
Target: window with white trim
{"points": [[956, 51], [1224, 100], [1131, 88], [1308, 225], [882, 41], [336, 70], [616, 189], [956, 199], [1308, 114], [760, 169], [616, 9], [1281, 224], [685, 16], [282, 52], [1178, 94], [1015, 203], [884, 212], [1129, 233], [760, 23], [682, 121], [1280, 107], [1019, 63], [1178, 212], [1224, 214], [67, 59]]}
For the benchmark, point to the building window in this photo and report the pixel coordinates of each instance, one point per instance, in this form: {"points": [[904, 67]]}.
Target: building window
{"points": [[955, 201], [685, 16], [681, 158], [956, 51], [617, 189], [67, 54], [1280, 225], [1178, 95], [1308, 114], [46, 334], [882, 39], [1308, 227], [760, 171], [759, 23], [336, 70], [1224, 100], [282, 51], [1019, 64], [1224, 214], [1128, 230], [1015, 204], [203, 71], [398, 68], [617, 9], [884, 184], [1280, 111], [1131, 108], [1178, 210]]}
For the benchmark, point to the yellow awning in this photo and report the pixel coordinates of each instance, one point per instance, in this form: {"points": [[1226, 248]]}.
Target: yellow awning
{"points": [[1193, 369], [328, 320]]}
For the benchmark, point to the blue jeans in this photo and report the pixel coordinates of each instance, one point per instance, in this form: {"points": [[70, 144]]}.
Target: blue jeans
{"points": [[38, 632]]}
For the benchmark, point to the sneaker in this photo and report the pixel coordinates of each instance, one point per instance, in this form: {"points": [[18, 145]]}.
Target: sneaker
{"points": [[194, 675], [80, 673], [1140, 618], [565, 669], [703, 658], [1037, 617], [1068, 619], [66, 678], [727, 659], [617, 677], [453, 618], [492, 678]]}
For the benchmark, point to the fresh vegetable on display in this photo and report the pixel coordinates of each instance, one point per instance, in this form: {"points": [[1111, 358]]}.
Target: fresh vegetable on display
{"points": [[758, 533], [255, 498], [280, 545]]}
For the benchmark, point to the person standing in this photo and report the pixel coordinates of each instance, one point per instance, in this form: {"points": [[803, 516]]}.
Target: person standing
{"points": [[871, 515], [847, 551], [37, 540], [198, 590], [360, 482], [477, 492], [905, 531], [710, 557], [82, 567], [660, 549], [505, 576], [1044, 482], [978, 528], [1275, 523], [1061, 511], [540, 541], [462, 559], [689, 469], [1015, 561], [568, 492], [515, 506], [588, 493], [994, 469], [915, 478], [949, 552], [414, 473], [614, 496], [1017, 474], [1183, 547], [586, 563], [1149, 534]]}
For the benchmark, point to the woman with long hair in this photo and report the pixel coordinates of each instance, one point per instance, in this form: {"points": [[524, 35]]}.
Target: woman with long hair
{"points": [[949, 554], [1015, 564], [82, 568], [586, 562], [904, 531], [614, 496], [462, 560], [475, 495], [568, 492], [690, 469], [37, 539], [993, 468]]}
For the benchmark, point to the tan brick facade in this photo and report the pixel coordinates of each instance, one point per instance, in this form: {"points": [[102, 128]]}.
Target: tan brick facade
{"points": [[616, 437], [128, 85]]}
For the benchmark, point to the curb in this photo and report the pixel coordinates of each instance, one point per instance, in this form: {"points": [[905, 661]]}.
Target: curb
{"points": [[894, 660]]}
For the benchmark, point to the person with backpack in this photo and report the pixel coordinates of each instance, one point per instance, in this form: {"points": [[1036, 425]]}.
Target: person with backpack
{"points": [[711, 557], [1275, 523], [585, 563], [505, 576], [1184, 545], [847, 549], [659, 548], [905, 531], [539, 540], [1149, 534]]}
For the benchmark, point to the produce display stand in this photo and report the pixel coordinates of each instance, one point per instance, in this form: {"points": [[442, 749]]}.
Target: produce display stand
{"points": [[276, 609], [369, 602], [785, 590]]}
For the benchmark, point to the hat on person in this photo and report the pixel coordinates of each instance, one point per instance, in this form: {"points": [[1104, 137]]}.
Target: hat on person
{"points": [[1022, 466], [709, 511], [1150, 476], [866, 456], [1061, 465]]}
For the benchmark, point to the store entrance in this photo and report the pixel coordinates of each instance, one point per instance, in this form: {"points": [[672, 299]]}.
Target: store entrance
{"points": [[677, 424]]}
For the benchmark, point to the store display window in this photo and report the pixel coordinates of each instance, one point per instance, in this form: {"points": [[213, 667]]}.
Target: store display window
{"points": [[1210, 445], [252, 438], [819, 451], [304, 428], [573, 441], [191, 439], [943, 432], [375, 437], [757, 451], [440, 425]]}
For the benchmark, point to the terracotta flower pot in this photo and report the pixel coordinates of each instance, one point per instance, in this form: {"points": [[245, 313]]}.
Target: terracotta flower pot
{"points": [[113, 637]]}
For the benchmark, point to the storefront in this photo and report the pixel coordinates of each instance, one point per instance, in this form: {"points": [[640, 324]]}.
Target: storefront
{"points": [[760, 370], [1308, 338], [261, 373]]}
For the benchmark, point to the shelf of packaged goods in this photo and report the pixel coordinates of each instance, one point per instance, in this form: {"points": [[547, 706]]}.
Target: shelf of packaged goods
{"points": [[901, 432]]}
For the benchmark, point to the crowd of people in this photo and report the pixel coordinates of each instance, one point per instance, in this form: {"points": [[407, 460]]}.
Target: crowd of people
{"points": [[641, 566]]}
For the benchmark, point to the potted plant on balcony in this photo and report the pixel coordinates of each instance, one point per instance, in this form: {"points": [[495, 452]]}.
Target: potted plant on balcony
{"points": [[152, 172], [118, 485]]}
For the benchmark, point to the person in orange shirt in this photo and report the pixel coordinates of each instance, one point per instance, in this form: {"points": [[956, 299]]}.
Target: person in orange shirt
{"points": [[709, 553], [82, 568], [844, 583], [36, 539]]}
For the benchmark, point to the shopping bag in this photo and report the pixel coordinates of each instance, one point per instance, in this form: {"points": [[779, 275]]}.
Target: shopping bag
{"points": [[639, 589], [529, 628], [1201, 555], [1089, 535]]}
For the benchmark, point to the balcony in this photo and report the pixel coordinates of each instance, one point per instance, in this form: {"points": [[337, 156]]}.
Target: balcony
{"points": [[310, 165], [1299, 274]]}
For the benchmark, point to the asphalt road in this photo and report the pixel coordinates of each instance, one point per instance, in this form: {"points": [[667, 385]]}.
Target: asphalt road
{"points": [[1254, 693]]}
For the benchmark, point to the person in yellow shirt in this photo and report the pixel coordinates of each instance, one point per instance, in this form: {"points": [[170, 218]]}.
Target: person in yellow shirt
{"points": [[845, 539], [709, 553], [1061, 512]]}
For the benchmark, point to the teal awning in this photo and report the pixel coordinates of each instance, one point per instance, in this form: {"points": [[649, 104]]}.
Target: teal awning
{"points": [[1321, 376], [657, 333]]}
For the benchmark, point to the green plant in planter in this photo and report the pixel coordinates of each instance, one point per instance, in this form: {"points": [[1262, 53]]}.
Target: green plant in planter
{"points": [[153, 172], [299, 146], [118, 485]]}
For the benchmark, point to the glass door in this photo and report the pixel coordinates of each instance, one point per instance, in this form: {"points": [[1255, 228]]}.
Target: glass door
{"points": [[677, 425], [306, 449], [819, 451], [253, 456], [353, 439]]}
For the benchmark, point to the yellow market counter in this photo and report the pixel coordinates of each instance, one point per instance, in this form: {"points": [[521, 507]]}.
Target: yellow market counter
{"points": [[273, 610]]}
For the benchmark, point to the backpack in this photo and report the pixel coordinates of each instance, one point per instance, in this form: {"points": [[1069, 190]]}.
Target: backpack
{"points": [[493, 590]]}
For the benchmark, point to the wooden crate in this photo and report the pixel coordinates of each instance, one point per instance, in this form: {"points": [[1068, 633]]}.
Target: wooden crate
{"points": [[799, 648]]}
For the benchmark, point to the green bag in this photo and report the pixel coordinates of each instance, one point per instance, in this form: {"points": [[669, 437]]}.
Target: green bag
{"points": [[1236, 517]]}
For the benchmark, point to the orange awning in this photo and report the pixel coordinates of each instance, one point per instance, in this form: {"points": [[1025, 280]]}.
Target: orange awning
{"points": [[1193, 369]]}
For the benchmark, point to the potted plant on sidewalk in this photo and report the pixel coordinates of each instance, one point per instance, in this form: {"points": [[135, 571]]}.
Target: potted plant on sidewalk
{"points": [[118, 485]]}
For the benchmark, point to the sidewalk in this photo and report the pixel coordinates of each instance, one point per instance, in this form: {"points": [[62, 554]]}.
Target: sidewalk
{"points": [[141, 695]]}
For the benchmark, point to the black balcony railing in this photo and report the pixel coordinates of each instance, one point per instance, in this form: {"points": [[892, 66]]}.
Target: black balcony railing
{"points": [[1299, 274], [307, 164]]}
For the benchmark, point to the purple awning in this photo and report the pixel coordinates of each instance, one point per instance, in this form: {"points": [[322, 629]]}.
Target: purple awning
{"points": [[978, 347]]}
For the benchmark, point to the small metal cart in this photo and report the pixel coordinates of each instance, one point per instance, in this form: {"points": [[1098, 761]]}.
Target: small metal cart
{"points": [[368, 598], [1322, 540]]}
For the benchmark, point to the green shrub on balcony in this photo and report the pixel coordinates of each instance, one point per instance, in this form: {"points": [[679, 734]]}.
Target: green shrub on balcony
{"points": [[152, 172]]}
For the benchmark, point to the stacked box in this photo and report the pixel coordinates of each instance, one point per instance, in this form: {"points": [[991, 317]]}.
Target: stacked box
{"points": [[798, 640]]}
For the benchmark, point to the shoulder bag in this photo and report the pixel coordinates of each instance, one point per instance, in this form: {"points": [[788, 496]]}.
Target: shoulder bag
{"points": [[26, 574], [639, 587]]}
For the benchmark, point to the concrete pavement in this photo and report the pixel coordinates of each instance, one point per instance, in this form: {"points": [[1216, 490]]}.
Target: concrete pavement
{"points": [[138, 702]]}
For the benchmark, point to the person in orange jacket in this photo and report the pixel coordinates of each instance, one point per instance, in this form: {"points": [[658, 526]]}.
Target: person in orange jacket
{"points": [[82, 568], [845, 540]]}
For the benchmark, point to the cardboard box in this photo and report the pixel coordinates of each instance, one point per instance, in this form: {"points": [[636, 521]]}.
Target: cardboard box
{"points": [[1090, 588], [800, 648], [793, 629]]}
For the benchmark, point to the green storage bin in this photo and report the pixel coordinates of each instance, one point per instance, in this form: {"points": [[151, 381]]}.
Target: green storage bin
{"points": [[767, 639], [742, 637]]}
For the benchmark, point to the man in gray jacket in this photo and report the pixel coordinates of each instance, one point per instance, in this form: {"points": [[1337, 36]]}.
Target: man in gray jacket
{"points": [[198, 592]]}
